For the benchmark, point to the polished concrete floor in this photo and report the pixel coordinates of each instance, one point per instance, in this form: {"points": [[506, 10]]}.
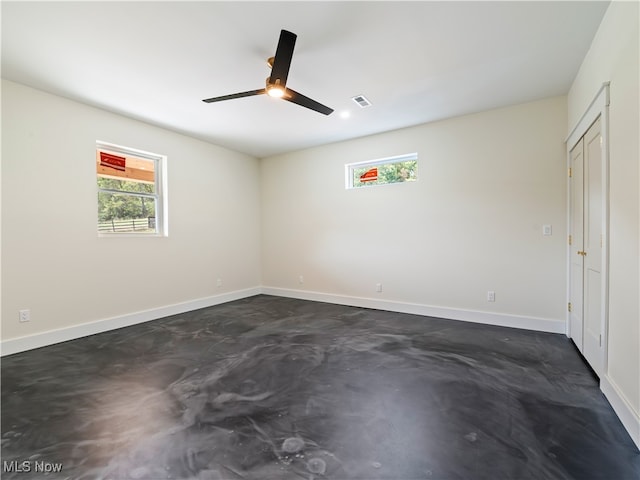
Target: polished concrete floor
{"points": [[272, 388]]}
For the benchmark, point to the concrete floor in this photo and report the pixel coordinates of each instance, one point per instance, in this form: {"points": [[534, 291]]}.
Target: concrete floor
{"points": [[275, 388]]}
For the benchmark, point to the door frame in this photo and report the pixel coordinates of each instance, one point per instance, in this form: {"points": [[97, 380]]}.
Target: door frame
{"points": [[599, 107]]}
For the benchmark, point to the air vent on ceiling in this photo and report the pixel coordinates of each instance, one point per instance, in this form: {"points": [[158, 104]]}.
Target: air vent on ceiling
{"points": [[361, 101]]}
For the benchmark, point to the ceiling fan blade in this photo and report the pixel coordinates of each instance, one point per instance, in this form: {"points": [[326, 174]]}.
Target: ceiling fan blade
{"points": [[282, 59], [299, 99], [250, 93]]}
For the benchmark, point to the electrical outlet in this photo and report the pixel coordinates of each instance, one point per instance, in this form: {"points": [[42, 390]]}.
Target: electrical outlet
{"points": [[301, 279], [24, 315], [378, 287], [219, 282], [491, 296]]}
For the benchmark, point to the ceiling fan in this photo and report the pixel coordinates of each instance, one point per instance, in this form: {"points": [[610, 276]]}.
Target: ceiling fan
{"points": [[277, 82]]}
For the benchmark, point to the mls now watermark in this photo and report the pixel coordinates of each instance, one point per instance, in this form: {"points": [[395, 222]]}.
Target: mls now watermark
{"points": [[27, 466]]}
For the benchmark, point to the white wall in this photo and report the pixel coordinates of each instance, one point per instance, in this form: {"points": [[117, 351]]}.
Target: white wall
{"points": [[471, 223], [613, 57], [52, 259]]}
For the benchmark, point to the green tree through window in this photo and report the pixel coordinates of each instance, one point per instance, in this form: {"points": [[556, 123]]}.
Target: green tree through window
{"points": [[382, 172], [120, 206]]}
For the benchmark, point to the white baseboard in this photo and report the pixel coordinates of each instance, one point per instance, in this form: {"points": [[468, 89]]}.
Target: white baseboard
{"points": [[21, 344], [627, 415], [50, 337], [490, 318]]}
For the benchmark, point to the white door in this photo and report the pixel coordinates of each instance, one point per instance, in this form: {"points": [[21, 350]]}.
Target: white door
{"points": [[576, 244], [593, 241], [586, 319]]}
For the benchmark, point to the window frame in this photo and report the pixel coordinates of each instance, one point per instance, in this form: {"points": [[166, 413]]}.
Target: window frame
{"points": [[159, 196], [351, 167]]}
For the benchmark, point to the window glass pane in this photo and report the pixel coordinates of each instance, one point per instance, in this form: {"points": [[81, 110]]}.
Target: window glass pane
{"points": [[382, 173], [112, 165], [125, 185], [131, 191], [121, 213]]}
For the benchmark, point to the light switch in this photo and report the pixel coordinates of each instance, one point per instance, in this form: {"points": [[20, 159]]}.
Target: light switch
{"points": [[546, 230]]}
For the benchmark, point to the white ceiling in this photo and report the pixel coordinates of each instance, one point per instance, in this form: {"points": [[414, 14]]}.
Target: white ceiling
{"points": [[415, 61]]}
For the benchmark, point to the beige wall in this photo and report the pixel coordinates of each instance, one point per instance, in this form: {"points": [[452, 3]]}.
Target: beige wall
{"points": [[613, 57], [52, 259], [472, 222]]}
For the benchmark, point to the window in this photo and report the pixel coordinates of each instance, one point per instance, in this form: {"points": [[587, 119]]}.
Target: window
{"points": [[383, 171], [130, 191]]}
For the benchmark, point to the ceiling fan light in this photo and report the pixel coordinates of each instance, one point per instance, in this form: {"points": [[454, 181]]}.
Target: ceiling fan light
{"points": [[275, 91]]}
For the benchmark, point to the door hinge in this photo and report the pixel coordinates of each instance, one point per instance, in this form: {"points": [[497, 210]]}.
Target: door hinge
{"points": [[570, 240], [601, 340], [570, 172], [569, 306]]}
